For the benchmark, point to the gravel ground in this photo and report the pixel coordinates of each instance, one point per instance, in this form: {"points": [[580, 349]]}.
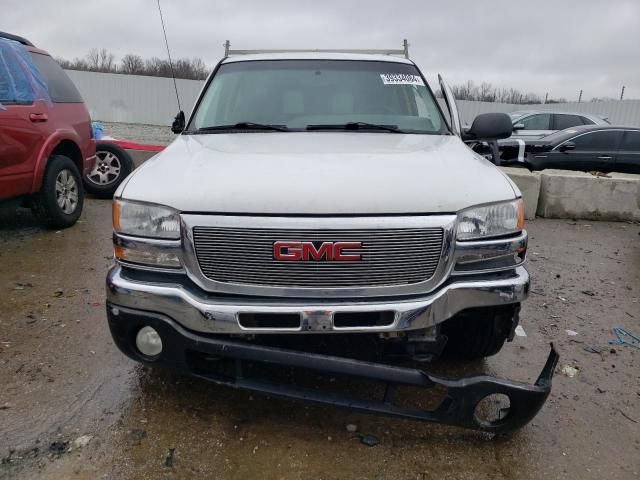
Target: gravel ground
{"points": [[135, 132], [72, 406]]}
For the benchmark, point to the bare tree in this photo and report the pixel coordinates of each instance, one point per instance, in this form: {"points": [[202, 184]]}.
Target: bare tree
{"points": [[157, 67], [101, 60], [557, 100], [64, 63], [465, 91], [200, 70], [194, 68], [132, 64], [75, 64], [487, 92]]}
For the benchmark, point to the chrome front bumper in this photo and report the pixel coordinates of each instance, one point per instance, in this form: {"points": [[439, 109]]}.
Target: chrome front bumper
{"points": [[194, 309]]}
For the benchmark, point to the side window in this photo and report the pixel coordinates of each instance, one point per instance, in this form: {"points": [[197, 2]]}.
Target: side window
{"points": [[566, 121], [587, 121], [631, 141], [12, 83], [7, 92], [541, 121], [598, 141], [61, 88]]}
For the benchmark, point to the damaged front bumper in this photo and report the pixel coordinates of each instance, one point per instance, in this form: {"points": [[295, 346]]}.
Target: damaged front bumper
{"points": [[458, 407], [214, 313]]}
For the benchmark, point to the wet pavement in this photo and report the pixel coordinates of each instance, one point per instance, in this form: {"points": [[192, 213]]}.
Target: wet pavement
{"points": [[72, 406]]}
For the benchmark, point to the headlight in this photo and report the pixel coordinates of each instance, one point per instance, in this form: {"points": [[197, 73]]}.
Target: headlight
{"points": [[145, 220], [491, 220]]}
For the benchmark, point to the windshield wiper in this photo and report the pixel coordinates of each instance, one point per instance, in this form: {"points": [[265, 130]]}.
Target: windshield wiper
{"points": [[244, 126], [356, 126]]}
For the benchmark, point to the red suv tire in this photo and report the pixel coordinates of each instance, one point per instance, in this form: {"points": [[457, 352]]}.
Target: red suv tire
{"points": [[60, 200]]}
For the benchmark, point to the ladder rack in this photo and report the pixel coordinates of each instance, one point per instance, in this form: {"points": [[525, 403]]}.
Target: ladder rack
{"points": [[404, 51]]}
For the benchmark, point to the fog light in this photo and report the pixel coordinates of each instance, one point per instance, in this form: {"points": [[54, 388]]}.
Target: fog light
{"points": [[149, 342]]}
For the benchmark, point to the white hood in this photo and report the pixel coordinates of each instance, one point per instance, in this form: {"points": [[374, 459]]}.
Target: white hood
{"points": [[318, 173]]}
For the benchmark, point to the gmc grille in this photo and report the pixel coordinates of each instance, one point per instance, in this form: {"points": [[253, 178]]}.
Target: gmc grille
{"points": [[390, 257]]}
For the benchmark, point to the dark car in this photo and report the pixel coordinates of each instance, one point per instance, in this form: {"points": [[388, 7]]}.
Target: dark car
{"points": [[46, 141], [585, 148]]}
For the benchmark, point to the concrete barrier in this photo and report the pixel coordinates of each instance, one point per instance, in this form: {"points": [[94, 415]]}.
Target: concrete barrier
{"points": [[565, 194], [529, 184]]}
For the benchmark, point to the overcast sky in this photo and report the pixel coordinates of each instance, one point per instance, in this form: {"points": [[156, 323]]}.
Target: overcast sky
{"points": [[558, 46]]}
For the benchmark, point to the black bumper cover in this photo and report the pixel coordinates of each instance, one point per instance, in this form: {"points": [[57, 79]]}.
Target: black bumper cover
{"points": [[457, 408]]}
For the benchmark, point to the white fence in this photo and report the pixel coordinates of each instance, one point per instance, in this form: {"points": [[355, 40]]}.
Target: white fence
{"points": [[625, 112], [619, 112], [112, 97], [468, 109]]}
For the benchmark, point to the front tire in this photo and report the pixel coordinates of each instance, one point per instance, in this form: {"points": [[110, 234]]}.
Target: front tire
{"points": [[113, 165], [479, 332], [60, 200]]}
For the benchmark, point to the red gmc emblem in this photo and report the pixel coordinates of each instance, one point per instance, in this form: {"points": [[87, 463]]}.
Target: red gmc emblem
{"points": [[317, 252]]}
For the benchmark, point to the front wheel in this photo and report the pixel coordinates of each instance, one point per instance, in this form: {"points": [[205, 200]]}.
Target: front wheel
{"points": [[59, 202], [479, 332], [112, 166]]}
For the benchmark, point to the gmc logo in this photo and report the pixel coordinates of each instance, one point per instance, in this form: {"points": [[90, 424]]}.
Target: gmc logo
{"points": [[308, 251]]}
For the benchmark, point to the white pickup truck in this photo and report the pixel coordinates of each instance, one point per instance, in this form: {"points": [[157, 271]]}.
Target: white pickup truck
{"points": [[324, 194]]}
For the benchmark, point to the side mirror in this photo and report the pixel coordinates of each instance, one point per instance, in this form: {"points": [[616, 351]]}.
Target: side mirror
{"points": [[567, 146], [489, 126], [178, 123], [518, 126]]}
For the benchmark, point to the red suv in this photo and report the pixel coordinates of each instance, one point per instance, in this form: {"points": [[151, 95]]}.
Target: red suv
{"points": [[46, 144]]}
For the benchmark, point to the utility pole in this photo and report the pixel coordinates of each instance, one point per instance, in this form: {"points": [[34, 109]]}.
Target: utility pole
{"points": [[546, 97], [622, 93], [580, 96]]}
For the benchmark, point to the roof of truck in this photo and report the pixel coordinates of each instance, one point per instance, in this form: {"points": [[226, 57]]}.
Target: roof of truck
{"points": [[317, 56]]}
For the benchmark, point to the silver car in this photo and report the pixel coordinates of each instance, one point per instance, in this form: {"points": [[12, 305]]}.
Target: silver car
{"points": [[533, 124]]}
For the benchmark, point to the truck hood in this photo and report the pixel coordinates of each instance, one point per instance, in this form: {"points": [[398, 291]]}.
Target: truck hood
{"points": [[318, 173]]}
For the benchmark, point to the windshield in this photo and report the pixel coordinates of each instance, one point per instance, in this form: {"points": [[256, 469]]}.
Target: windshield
{"points": [[298, 94]]}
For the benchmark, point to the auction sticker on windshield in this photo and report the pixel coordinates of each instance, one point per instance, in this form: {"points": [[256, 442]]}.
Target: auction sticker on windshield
{"points": [[401, 79]]}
